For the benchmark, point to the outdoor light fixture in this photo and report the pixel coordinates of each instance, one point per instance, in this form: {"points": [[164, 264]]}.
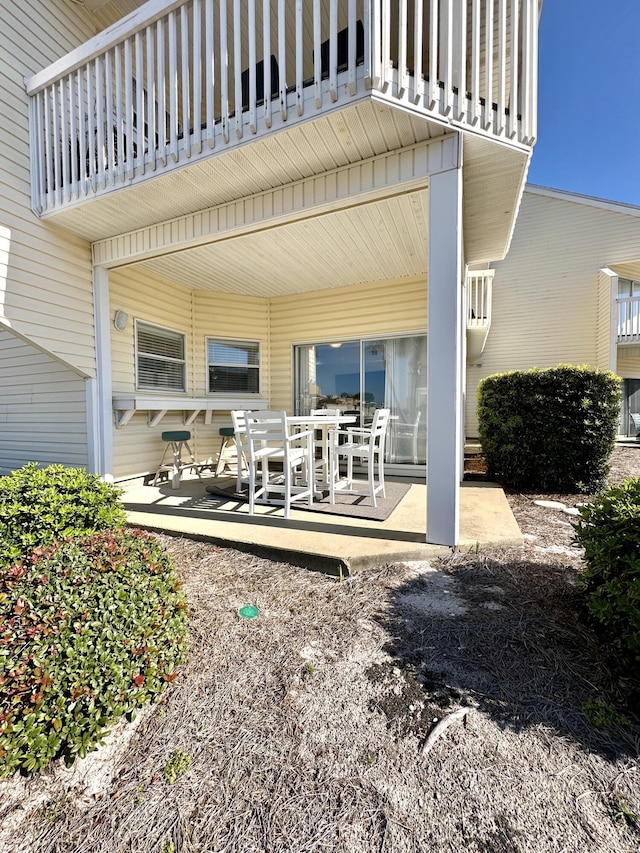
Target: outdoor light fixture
{"points": [[120, 320]]}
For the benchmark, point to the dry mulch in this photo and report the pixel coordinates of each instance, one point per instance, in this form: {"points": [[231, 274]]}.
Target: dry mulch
{"points": [[305, 729]]}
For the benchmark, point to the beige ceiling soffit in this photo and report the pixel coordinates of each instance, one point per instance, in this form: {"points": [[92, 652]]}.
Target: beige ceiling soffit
{"points": [[348, 186], [94, 5]]}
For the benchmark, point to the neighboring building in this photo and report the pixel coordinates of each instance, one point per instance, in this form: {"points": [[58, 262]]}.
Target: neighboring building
{"points": [[568, 292], [186, 228]]}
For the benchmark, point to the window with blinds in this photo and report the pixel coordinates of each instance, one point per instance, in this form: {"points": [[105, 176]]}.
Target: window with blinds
{"points": [[233, 366], [160, 359]]}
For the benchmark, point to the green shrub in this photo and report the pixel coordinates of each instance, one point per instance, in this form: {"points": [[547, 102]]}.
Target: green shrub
{"points": [[609, 532], [551, 430], [40, 505], [91, 629]]}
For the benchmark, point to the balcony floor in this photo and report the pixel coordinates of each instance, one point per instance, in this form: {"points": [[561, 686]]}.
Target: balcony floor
{"points": [[320, 540]]}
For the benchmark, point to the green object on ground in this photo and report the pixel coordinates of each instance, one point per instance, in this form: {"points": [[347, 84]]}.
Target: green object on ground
{"points": [[249, 611]]}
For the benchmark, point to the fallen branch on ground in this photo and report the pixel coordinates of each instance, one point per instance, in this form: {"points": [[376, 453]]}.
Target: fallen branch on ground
{"points": [[440, 728]]}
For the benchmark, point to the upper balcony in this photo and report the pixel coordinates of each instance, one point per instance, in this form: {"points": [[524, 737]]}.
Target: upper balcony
{"points": [[175, 83], [628, 324]]}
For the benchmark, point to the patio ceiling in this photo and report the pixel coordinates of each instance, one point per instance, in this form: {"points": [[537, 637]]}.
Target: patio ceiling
{"points": [[382, 240]]}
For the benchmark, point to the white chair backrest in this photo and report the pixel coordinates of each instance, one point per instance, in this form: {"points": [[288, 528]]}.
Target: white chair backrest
{"points": [[380, 422], [266, 427], [239, 420], [329, 413]]}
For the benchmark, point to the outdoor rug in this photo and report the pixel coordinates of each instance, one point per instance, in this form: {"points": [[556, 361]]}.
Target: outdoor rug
{"points": [[353, 506]]}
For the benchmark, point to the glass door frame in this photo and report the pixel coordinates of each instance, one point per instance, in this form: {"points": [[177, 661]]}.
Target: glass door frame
{"points": [[297, 395]]}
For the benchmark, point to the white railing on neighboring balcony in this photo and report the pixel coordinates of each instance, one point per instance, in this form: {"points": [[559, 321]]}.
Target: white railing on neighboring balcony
{"points": [[479, 287], [628, 319], [175, 81], [478, 295]]}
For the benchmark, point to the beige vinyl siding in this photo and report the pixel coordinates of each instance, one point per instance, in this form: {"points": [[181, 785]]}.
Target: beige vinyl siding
{"points": [[45, 274], [380, 308], [545, 293], [222, 315], [42, 408], [628, 366], [198, 314], [148, 297], [137, 448]]}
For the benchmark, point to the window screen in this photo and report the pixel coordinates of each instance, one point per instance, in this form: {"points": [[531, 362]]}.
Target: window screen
{"points": [[160, 358], [234, 366]]}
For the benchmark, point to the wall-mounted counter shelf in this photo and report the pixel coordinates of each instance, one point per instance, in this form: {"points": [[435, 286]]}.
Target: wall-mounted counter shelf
{"points": [[125, 407]]}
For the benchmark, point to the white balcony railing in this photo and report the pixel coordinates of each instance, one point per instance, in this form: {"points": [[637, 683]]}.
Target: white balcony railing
{"points": [[174, 81], [628, 319], [479, 287], [478, 295]]}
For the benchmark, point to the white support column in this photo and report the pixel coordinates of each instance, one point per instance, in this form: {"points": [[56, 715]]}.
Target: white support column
{"points": [[613, 323], [444, 357], [100, 418], [607, 328]]}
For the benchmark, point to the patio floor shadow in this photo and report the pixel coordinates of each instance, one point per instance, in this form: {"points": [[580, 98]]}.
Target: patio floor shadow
{"points": [[319, 540]]}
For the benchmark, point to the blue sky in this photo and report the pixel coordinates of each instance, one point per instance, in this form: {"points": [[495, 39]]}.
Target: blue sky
{"points": [[589, 99]]}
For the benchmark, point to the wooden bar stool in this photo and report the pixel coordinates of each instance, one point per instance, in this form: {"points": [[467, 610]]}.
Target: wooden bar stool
{"points": [[176, 440]]}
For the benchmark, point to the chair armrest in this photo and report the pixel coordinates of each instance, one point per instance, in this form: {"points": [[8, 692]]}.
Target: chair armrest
{"points": [[349, 433], [337, 432], [357, 431], [296, 436]]}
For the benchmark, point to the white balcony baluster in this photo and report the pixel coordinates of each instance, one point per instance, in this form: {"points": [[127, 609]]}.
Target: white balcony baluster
{"points": [[197, 77], [209, 74], [237, 66], [299, 60], [266, 54], [185, 56], [418, 87], [224, 74]]}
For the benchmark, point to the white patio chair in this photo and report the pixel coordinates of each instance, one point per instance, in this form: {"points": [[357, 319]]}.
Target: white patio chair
{"points": [[362, 443], [238, 418], [268, 440], [407, 430], [321, 442]]}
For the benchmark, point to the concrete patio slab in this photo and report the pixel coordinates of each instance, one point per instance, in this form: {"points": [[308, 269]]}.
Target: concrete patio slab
{"points": [[319, 540]]}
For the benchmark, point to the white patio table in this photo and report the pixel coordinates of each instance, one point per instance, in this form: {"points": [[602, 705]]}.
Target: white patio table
{"points": [[323, 423]]}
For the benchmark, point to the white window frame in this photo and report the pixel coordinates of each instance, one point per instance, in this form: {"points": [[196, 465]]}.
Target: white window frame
{"points": [[183, 361], [234, 342]]}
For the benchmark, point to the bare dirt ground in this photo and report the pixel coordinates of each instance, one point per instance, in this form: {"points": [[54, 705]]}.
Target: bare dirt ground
{"points": [[306, 728]]}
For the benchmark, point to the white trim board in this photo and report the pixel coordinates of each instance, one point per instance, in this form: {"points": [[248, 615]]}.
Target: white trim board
{"points": [[577, 198]]}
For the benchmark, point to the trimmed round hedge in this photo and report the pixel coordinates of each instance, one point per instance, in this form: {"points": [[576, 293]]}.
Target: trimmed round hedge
{"points": [[550, 430], [92, 628], [39, 505], [609, 532]]}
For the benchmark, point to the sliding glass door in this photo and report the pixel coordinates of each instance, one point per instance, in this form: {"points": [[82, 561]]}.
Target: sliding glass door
{"points": [[361, 376], [630, 415]]}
